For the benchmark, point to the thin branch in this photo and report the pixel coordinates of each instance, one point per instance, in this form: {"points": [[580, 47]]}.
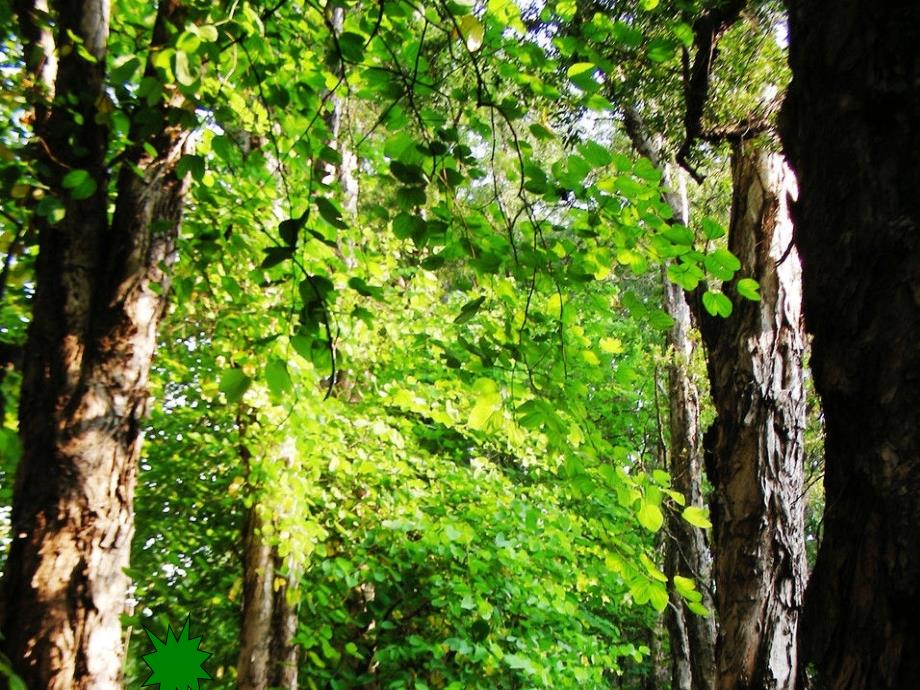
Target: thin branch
{"points": [[707, 30]]}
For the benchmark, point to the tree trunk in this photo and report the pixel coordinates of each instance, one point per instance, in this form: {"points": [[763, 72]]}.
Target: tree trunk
{"points": [[100, 293], [254, 665], [692, 637], [268, 657], [687, 553], [754, 449], [851, 127], [285, 654]]}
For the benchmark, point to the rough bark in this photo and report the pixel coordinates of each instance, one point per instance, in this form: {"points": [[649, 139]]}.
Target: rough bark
{"points": [[100, 292], [851, 128], [285, 654], [692, 637], [688, 552], [268, 656], [754, 448], [254, 665]]}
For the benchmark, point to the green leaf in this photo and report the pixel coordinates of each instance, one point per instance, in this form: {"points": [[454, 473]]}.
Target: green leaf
{"points": [[488, 402], [52, 209], [717, 303], [597, 155], [696, 516], [289, 230], [541, 132], [182, 69], [80, 184], [468, 310], [407, 173], [712, 229], [277, 378], [722, 263], [627, 35], [698, 608], [208, 33], [650, 516], [406, 225], [661, 477], [233, 384], [330, 213], [302, 345], [362, 288], [352, 46], [658, 596], [582, 75], [188, 42], [686, 588], [660, 320], [749, 289], [473, 32], [661, 49], [275, 255], [74, 179]]}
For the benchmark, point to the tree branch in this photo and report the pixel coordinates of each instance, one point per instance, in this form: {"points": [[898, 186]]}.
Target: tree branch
{"points": [[707, 30]]}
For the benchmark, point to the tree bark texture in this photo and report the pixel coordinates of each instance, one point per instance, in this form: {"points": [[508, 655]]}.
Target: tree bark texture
{"points": [[100, 293], [754, 448], [851, 128], [269, 657], [688, 552], [254, 662], [692, 637]]}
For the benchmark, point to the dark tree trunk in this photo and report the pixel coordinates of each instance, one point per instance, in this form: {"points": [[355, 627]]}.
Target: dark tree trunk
{"points": [[285, 654], [100, 292], [851, 127], [754, 449]]}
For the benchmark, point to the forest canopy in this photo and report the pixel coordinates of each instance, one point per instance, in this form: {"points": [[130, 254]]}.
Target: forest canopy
{"points": [[457, 344]]}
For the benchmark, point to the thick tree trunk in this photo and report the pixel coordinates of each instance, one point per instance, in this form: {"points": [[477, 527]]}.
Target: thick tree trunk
{"points": [[100, 292], [851, 127], [754, 449], [268, 658]]}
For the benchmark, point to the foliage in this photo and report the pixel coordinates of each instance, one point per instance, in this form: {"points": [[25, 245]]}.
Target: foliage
{"points": [[440, 395]]}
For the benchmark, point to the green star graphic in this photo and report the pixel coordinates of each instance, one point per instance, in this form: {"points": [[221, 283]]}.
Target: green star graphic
{"points": [[176, 662]]}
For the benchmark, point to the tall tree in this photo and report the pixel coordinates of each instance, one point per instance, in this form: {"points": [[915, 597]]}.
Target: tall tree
{"points": [[851, 127], [755, 446], [692, 637], [268, 655], [100, 291]]}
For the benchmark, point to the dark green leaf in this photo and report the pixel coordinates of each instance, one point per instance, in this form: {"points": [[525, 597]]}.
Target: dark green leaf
{"points": [[330, 212], [275, 255], [468, 310]]}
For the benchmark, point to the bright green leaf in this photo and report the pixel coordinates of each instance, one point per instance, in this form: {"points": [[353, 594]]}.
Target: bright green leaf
{"points": [[749, 289], [696, 516], [650, 516], [717, 304]]}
